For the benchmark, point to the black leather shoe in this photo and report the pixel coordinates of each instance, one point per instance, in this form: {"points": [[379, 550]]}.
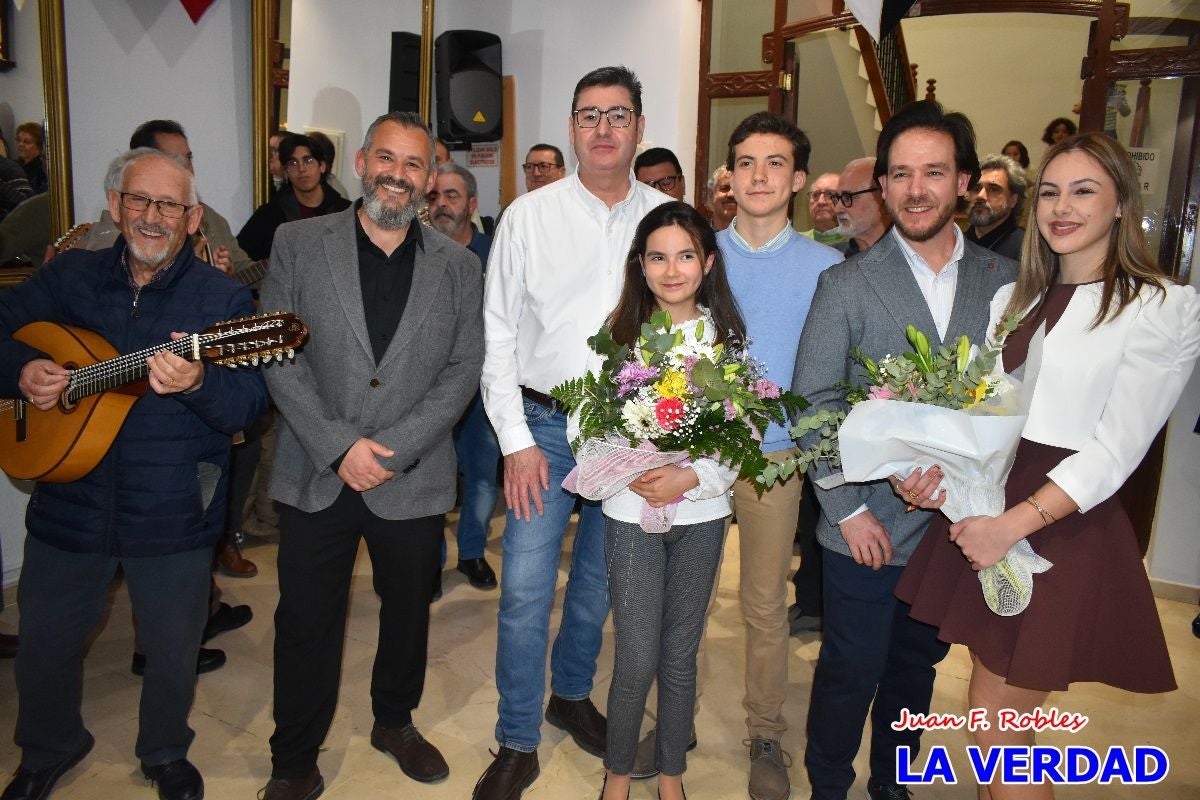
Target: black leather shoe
{"points": [[30, 784], [1195, 626], [206, 661], [309, 787], [508, 776], [478, 572], [227, 618], [177, 780], [587, 726], [881, 790], [437, 588], [418, 759]]}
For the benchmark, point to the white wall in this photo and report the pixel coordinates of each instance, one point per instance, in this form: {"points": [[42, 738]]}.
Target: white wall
{"points": [[129, 61], [21, 87], [340, 54]]}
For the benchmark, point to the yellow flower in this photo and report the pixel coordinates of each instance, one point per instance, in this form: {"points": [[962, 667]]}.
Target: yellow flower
{"points": [[979, 392], [673, 383]]}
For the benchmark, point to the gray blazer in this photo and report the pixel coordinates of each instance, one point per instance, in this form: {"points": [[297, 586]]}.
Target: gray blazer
{"points": [[335, 394], [866, 301]]}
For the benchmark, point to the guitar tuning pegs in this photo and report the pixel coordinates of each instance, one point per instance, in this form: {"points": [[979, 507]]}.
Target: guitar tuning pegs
{"points": [[254, 360], [291, 353], [279, 355]]}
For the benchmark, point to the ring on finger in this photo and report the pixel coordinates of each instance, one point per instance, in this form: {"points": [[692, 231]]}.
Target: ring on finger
{"points": [[912, 494]]}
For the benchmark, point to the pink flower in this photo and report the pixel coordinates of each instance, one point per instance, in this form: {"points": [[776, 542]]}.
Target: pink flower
{"points": [[765, 389], [669, 412], [882, 393], [730, 409]]}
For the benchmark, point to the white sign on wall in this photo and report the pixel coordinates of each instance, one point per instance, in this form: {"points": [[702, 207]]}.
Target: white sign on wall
{"points": [[1146, 162], [484, 154]]}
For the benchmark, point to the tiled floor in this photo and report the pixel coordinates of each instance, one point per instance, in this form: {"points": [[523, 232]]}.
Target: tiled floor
{"points": [[232, 713]]}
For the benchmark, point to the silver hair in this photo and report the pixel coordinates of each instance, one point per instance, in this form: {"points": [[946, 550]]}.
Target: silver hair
{"points": [[1012, 170], [462, 172], [114, 178], [405, 119], [712, 181]]}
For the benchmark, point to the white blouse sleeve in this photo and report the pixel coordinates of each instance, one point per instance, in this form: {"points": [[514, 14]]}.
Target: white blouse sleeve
{"points": [[715, 479], [1159, 355]]}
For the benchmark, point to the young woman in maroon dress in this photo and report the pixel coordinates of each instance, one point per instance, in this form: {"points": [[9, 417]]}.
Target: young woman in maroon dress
{"points": [[1121, 341]]}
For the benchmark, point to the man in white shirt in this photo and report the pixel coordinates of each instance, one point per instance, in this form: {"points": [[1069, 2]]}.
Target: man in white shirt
{"points": [[555, 271], [874, 658]]}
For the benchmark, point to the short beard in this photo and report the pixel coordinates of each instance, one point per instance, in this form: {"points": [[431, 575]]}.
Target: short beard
{"points": [[945, 215], [848, 229], [154, 260], [386, 217], [984, 217], [448, 224]]}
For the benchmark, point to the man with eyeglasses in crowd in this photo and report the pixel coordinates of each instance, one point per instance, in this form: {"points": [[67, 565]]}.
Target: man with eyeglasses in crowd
{"points": [[556, 268], [451, 204], [659, 169], [994, 200], [154, 505], [543, 166], [303, 195], [862, 216], [823, 213]]}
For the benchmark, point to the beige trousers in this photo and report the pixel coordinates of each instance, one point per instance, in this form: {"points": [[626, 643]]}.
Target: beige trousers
{"points": [[766, 530]]}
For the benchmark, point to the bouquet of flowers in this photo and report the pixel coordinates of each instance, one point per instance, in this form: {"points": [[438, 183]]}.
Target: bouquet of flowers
{"points": [[949, 407], [674, 397]]}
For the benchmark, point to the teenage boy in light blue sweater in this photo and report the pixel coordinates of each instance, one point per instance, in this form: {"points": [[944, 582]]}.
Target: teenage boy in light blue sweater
{"points": [[773, 272]]}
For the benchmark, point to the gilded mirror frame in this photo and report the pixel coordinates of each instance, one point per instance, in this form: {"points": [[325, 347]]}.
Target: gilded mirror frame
{"points": [[58, 120]]}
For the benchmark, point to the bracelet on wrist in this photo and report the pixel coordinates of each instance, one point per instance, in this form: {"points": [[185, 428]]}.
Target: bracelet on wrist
{"points": [[1047, 517]]}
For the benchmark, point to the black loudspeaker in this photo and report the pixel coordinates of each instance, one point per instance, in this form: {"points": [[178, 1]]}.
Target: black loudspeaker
{"points": [[404, 89], [469, 97]]}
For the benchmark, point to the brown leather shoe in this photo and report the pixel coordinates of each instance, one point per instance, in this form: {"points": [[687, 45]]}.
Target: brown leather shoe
{"points": [[309, 787], [508, 776], [587, 726], [230, 560], [418, 759]]}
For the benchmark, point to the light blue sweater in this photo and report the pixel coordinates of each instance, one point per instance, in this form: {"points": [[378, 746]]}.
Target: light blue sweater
{"points": [[773, 291]]}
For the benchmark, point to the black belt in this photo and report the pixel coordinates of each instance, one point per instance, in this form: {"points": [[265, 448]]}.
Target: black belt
{"points": [[541, 399]]}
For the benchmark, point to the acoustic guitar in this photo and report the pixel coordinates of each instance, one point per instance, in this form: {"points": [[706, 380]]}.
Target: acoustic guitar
{"points": [[67, 442]]}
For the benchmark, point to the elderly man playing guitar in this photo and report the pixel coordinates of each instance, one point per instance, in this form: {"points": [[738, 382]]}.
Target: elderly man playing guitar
{"points": [[153, 502]]}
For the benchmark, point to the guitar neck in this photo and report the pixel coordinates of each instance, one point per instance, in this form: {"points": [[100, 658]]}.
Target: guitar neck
{"points": [[105, 375], [252, 273]]}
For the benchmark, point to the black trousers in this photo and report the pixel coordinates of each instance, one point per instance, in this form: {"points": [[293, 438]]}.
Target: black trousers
{"points": [[316, 562], [875, 661]]}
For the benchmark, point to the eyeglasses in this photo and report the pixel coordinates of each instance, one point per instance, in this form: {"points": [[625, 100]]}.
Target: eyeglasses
{"points": [[665, 183], [820, 194], [168, 208], [847, 198], [618, 116], [294, 163], [540, 167]]}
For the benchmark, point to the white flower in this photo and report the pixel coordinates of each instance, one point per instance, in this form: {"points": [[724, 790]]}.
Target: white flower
{"points": [[639, 419]]}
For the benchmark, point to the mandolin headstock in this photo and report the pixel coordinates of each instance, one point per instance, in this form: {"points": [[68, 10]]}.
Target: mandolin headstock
{"points": [[250, 340]]}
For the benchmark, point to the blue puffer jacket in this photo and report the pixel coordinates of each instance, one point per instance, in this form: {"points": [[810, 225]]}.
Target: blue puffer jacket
{"points": [[145, 496]]}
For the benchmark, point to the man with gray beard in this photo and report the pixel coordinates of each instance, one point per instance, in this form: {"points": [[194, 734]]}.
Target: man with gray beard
{"points": [[364, 446], [862, 217], [994, 200]]}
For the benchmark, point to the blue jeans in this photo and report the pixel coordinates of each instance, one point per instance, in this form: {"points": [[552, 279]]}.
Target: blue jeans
{"points": [[531, 557], [478, 456]]}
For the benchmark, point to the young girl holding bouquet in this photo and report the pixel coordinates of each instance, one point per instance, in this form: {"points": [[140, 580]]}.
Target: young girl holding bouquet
{"points": [[1121, 341], [660, 583]]}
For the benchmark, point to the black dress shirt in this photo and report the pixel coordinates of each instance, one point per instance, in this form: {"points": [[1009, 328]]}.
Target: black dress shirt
{"points": [[386, 281]]}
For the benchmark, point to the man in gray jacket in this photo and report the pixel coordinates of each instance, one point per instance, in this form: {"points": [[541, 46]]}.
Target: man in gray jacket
{"points": [[364, 446], [874, 658]]}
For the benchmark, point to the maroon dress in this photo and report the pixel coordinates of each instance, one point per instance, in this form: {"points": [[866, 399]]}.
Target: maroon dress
{"points": [[1092, 616]]}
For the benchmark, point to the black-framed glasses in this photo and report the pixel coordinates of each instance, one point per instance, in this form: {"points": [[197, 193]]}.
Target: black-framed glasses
{"points": [[295, 163], [618, 116], [540, 167], [664, 184], [168, 208], [847, 198]]}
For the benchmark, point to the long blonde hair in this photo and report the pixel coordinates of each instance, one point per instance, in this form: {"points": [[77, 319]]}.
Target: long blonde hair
{"points": [[1128, 266]]}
